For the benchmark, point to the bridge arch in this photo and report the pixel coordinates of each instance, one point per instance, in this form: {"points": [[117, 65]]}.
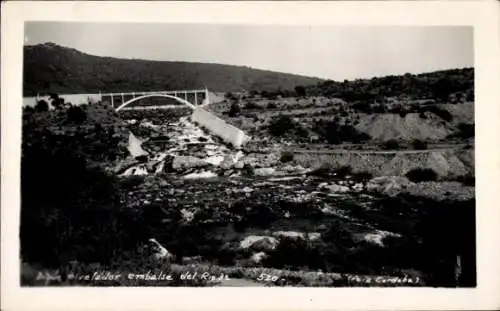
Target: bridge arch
{"points": [[133, 100]]}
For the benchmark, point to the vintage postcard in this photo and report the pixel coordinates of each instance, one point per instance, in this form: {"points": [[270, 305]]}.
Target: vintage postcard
{"points": [[198, 151]]}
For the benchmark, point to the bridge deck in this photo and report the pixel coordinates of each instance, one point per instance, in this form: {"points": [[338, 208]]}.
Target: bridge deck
{"points": [[139, 93]]}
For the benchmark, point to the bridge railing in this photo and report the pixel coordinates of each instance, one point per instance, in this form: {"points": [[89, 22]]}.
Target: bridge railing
{"points": [[140, 93]]}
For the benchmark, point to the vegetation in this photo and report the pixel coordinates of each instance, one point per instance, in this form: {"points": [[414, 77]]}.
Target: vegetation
{"points": [[286, 157], [419, 145], [422, 174], [71, 207], [335, 133], [439, 85], [234, 110], [285, 126], [391, 144]]}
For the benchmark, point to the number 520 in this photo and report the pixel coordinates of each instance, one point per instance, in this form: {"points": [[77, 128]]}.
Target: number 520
{"points": [[267, 277]]}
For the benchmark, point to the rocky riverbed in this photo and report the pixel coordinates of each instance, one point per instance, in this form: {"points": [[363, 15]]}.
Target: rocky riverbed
{"points": [[206, 203]]}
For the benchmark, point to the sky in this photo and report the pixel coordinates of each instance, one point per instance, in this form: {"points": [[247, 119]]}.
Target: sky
{"points": [[330, 52]]}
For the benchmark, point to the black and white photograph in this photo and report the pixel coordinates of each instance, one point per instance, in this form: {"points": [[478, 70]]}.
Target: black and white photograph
{"points": [[235, 155], [158, 154]]}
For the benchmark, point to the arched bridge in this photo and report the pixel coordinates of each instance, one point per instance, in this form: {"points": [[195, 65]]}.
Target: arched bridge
{"points": [[190, 98], [194, 99]]}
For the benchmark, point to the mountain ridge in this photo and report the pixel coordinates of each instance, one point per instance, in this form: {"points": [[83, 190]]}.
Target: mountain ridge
{"points": [[49, 67]]}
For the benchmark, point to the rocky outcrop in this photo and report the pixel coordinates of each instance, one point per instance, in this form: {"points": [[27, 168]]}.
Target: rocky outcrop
{"points": [[185, 162], [388, 185], [256, 242], [297, 235]]}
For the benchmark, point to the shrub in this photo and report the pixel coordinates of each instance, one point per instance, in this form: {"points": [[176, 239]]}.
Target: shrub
{"points": [[334, 133], [294, 253], [443, 114], [248, 170], [234, 110], [391, 144], [466, 130], [364, 107], [419, 145], [252, 105], [281, 126], [271, 106], [363, 176], [300, 91], [380, 108], [467, 180], [41, 106], [76, 114], [422, 174], [286, 156]]}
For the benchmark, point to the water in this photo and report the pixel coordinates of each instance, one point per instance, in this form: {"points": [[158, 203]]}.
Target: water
{"points": [[75, 99]]}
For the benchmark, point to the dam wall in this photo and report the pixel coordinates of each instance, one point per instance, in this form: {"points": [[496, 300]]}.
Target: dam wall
{"points": [[218, 127]]}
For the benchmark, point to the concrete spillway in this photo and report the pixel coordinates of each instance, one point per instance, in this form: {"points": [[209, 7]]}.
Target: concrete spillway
{"points": [[218, 127], [134, 146]]}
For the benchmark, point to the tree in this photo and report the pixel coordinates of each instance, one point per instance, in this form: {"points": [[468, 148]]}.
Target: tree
{"points": [[281, 126], [422, 174], [391, 144], [234, 110], [56, 101], [419, 145], [76, 114], [42, 105], [300, 91]]}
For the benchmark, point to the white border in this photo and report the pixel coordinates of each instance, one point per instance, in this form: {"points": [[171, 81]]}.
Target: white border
{"points": [[483, 15]]}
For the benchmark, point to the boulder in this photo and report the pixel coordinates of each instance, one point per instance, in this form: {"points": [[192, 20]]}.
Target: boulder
{"points": [[297, 235], [187, 216], [388, 185], [258, 257], [185, 162], [265, 171], [358, 187], [333, 187], [160, 252], [259, 242], [239, 165]]}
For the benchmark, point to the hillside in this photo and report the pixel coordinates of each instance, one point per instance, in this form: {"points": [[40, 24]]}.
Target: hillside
{"points": [[453, 85], [52, 68]]}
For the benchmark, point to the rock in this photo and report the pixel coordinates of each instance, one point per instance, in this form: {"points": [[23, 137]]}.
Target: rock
{"points": [[314, 236], [184, 162], [191, 260], [228, 173], [265, 171], [389, 185], [358, 187], [214, 159], [297, 235], [259, 242], [239, 165], [233, 160], [333, 187], [247, 189], [160, 252], [322, 227], [258, 257], [378, 237], [187, 216], [204, 174]]}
